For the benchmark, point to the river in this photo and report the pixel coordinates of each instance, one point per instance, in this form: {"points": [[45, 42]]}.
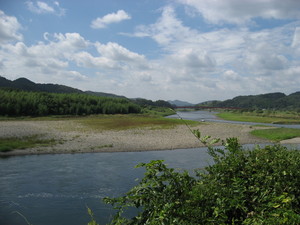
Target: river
{"points": [[211, 117], [56, 189]]}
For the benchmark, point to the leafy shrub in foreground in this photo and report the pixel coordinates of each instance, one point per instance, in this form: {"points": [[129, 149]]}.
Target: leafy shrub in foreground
{"points": [[258, 186]]}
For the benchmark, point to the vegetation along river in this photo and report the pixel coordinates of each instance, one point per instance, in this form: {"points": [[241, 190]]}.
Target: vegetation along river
{"points": [[56, 189]]}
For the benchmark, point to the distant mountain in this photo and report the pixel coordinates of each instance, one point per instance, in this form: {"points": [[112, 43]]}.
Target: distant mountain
{"points": [[209, 103], [4, 82], [147, 102], [275, 100], [27, 85], [180, 103], [104, 94]]}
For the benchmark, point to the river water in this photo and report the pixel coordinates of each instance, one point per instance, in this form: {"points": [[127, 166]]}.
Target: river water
{"points": [[56, 189]]}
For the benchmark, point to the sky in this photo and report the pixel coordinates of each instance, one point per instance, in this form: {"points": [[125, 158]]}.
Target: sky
{"points": [[191, 50]]}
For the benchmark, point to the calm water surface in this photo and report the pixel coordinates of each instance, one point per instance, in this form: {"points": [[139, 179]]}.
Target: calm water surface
{"points": [[55, 189]]}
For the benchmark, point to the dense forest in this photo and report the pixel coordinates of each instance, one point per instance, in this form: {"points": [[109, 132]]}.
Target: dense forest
{"points": [[24, 103], [276, 101]]}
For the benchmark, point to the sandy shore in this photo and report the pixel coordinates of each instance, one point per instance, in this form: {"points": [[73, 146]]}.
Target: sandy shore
{"points": [[74, 138]]}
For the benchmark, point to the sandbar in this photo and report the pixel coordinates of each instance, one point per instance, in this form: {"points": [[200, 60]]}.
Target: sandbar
{"points": [[73, 137]]}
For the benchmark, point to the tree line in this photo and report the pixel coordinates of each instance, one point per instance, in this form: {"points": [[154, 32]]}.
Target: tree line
{"points": [[25, 103]]}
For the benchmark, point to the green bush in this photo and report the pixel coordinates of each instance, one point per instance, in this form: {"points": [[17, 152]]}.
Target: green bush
{"points": [[258, 186]]}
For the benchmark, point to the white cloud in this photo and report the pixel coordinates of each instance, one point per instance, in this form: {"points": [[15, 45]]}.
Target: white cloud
{"points": [[85, 59], [117, 52], [44, 8], [194, 59], [55, 58], [44, 62], [111, 56], [231, 75], [167, 28], [73, 75], [223, 62], [239, 12], [117, 17], [194, 64], [268, 61], [9, 28], [70, 41], [296, 38]]}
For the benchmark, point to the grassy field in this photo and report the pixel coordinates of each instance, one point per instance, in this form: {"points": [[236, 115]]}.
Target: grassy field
{"points": [[272, 134], [123, 122], [277, 134], [151, 117], [9, 144], [248, 117], [91, 123], [158, 111]]}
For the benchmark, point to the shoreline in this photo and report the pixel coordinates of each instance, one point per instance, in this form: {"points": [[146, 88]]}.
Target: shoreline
{"points": [[73, 138]]}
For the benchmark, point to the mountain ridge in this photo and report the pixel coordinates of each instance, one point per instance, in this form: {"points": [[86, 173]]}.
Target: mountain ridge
{"points": [[28, 85], [275, 100], [180, 103]]}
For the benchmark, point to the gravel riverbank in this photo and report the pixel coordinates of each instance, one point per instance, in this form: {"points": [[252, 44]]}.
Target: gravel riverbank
{"points": [[72, 137]]}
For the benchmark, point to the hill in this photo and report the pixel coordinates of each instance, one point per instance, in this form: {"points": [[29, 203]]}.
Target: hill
{"points": [[23, 84], [27, 85], [209, 103], [180, 103], [102, 94], [277, 101]]}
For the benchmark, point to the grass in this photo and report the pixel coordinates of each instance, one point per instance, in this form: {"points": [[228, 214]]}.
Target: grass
{"points": [[147, 111], [130, 121], [12, 143], [277, 134], [38, 118], [102, 146], [259, 119], [158, 111]]}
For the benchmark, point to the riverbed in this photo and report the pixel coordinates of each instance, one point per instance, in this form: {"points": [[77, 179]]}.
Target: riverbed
{"points": [[74, 137]]}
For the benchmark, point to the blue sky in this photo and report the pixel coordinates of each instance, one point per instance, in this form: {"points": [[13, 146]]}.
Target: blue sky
{"points": [[192, 50]]}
